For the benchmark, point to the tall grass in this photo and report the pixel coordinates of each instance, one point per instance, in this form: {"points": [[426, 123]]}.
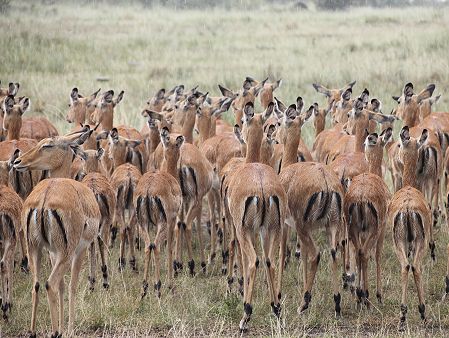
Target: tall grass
{"points": [[51, 49]]}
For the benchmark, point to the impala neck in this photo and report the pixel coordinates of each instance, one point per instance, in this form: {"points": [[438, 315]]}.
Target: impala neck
{"points": [[290, 155], [409, 173], [253, 148], [170, 166], [359, 139], [63, 171], [14, 131], [188, 126], [374, 156]]}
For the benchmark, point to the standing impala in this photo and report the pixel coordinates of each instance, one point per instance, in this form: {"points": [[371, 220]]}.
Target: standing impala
{"points": [[257, 204], [157, 201], [62, 216], [410, 218]]}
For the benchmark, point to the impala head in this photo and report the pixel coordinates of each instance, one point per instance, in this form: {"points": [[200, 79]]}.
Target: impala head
{"points": [[104, 111], [12, 120], [156, 120], [293, 122], [408, 103], [319, 118], [341, 108], [207, 115], [374, 145], [408, 154], [425, 107], [267, 147], [157, 101], [266, 93], [120, 148], [172, 145], [53, 153], [79, 105], [92, 160], [253, 130], [333, 95]]}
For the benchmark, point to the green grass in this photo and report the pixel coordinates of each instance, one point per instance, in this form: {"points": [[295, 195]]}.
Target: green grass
{"points": [[51, 49]]}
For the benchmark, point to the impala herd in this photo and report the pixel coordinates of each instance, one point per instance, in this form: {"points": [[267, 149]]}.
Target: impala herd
{"points": [[72, 194]]}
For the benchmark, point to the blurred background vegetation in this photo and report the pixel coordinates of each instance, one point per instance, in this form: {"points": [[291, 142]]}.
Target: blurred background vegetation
{"points": [[238, 4]]}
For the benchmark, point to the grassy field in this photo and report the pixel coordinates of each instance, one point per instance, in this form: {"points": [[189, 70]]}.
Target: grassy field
{"points": [[51, 49]]}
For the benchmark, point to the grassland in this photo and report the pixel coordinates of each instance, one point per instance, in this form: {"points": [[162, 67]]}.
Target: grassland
{"points": [[51, 49]]}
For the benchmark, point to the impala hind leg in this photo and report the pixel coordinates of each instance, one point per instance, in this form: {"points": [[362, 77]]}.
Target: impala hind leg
{"points": [[131, 236], [268, 243], [93, 266], [6, 271], [77, 262], [35, 255], [309, 249], [417, 275], [102, 245], [249, 259], [53, 287], [333, 241]]}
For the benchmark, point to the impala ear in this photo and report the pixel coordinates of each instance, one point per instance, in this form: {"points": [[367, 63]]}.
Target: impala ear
{"points": [[267, 113], [290, 113], [13, 88], [94, 94], [13, 157], [238, 134], [376, 105], [152, 114], [84, 136], [408, 89], [259, 86], [114, 135], [226, 92], [270, 130], [308, 113], [165, 136], [78, 151], [8, 103], [426, 93], [226, 105], [364, 97], [280, 105], [405, 135], [160, 95], [74, 95], [321, 89], [248, 110], [351, 84], [299, 104], [396, 98], [180, 141], [24, 105], [358, 105], [386, 135], [346, 95], [119, 98], [423, 138], [107, 97]]}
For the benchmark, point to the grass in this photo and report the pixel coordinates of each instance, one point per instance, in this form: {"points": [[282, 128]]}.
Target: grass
{"points": [[51, 49]]}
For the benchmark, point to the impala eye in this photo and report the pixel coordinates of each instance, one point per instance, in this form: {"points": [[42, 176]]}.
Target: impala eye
{"points": [[46, 146]]}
